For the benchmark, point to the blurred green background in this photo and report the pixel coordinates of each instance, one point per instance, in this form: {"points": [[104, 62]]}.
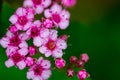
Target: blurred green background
{"points": [[94, 29]]}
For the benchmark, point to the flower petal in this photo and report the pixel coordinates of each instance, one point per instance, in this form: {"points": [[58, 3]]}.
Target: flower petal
{"points": [[13, 19]]}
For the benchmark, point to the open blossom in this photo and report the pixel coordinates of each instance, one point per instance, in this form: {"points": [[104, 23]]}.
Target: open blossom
{"points": [[68, 3], [60, 17], [12, 40], [22, 18], [82, 74], [40, 70], [37, 5], [16, 57], [53, 45], [34, 29]]}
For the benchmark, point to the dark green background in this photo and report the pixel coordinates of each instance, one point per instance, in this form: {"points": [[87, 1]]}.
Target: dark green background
{"points": [[94, 29]]}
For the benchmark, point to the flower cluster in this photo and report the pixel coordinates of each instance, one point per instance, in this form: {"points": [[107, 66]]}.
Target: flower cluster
{"points": [[79, 63], [43, 34]]}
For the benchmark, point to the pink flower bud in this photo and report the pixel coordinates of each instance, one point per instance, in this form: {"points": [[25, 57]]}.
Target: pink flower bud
{"points": [[60, 63], [82, 74], [80, 64], [70, 73], [29, 61], [32, 50], [64, 37], [84, 57], [69, 3], [13, 29], [73, 59], [48, 23]]}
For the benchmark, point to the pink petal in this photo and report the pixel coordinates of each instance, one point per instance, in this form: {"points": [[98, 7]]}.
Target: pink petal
{"points": [[65, 14], [37, 23], [46, 3], [48, 53], [11, 50], [37, 41], [24, 36], [9, 63], [46, 64], [40, 59], [4, 42], [46, 74], [53, 34], [27, 26], [43, 49], [56, 8], [37, 78], [28, 3], [13, 19], [19, 27], [44, 33], [30, 75], [21, 65], [61, 44], [21, 11], [39, 9], [23, 51], [64, 24], [57, 53], [23, 44], [47, 13]]}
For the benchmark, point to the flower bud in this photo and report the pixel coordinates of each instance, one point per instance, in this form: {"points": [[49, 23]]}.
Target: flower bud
{"points": [[70, 72], [73, 59], [60, 63], [82, 74], [84, 57], [32, 50], [80, 63]]}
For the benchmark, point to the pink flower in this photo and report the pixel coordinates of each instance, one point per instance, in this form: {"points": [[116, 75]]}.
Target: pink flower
{"points": [[53, 45], [82, 74], [84, 57], [40, 70], [22, 18], [60, 63], [68, 3], [37, 5], [16, 57], [14, 40], [60, 17], [34, 29]]}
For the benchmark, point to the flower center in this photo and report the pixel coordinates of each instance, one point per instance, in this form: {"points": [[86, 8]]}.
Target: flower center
{"points": [[15, 41], [35, 31], [51, 45], [22, 20], [38, 70], [56, 18], [17, 57], [37, 2]]}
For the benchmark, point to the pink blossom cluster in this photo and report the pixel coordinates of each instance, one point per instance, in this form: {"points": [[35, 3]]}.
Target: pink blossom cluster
{"points": [[43, 34]]}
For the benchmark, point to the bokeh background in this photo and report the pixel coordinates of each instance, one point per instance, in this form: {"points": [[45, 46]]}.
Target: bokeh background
{"points": [[94, 29]]}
